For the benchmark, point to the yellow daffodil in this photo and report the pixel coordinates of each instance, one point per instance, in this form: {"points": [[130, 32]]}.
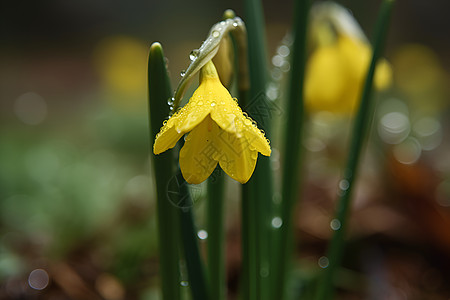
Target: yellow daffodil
{"points": [[336, 72], [218, 132]]}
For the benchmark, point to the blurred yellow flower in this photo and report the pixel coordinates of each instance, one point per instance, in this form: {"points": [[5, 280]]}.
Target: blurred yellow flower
{"points": [[219, 132], [121, 62], [336, 72]]}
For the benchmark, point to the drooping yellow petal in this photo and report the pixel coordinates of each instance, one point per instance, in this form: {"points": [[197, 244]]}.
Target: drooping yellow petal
{"points": [[166, 138], [219, 133], [198, 157], [255, 137], [237, 158]]}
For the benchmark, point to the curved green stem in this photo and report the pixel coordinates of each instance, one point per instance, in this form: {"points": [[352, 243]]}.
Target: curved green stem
{"points": [[360, 129]]}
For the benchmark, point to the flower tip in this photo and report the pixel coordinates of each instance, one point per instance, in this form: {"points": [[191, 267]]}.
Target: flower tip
{"points": [[156, 47], [229, 14]]}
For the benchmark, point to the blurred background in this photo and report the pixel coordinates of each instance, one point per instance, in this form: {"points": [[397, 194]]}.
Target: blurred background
{"points": [[77, 204]]}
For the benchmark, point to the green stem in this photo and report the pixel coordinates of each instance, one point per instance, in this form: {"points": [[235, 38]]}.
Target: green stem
{"points": [[360, 129], [195, 268], [216, 234], [292, 147], [163, 170], [257, 193]]}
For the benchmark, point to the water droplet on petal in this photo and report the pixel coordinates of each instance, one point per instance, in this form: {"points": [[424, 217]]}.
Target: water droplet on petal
{"points": [[235, 24], [216, 33], [213, 104]]}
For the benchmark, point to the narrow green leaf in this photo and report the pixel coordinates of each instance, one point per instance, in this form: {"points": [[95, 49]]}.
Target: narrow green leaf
{"points": [[163, 170], [216, 234], [292, 148], [360, 130], [196, 272], [257, 193]]}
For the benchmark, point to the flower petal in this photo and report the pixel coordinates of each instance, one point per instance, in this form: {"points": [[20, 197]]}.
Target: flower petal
{"points": [[192, 114], [167, 137], [255, 137], [237, 158], [225, 109], [199, 153]]}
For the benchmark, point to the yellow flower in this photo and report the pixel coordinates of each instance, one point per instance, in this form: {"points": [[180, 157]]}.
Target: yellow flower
{"points": [[336, 72], [219, 132]]}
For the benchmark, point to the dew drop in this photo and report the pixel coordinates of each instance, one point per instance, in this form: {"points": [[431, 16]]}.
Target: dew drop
{"points": [[182, 73], [213, 104], [335, 224], [277, 60], [194, 54], [38, 279], [264, 272], [283, 50], [215, 34], [184, 283], [170, 101], [277, 222], [323, 262], [344, 184], [235, 24], [202, 234]]}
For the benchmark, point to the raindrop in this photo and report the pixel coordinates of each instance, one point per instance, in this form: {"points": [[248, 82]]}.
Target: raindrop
{"points": [[184, 283], [408, 152], [283, 51], [235, 24], [276, 198], [277, 61], [170, 101], [277, 74], [394, 127], [264, 272], [335, 224], [202, 234], [38, 279], [277, 222], [323, 262], [215, 33], [429, 133], [344, 184], [285, 67], [182, 73], [213, 104], [194, 54]]}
